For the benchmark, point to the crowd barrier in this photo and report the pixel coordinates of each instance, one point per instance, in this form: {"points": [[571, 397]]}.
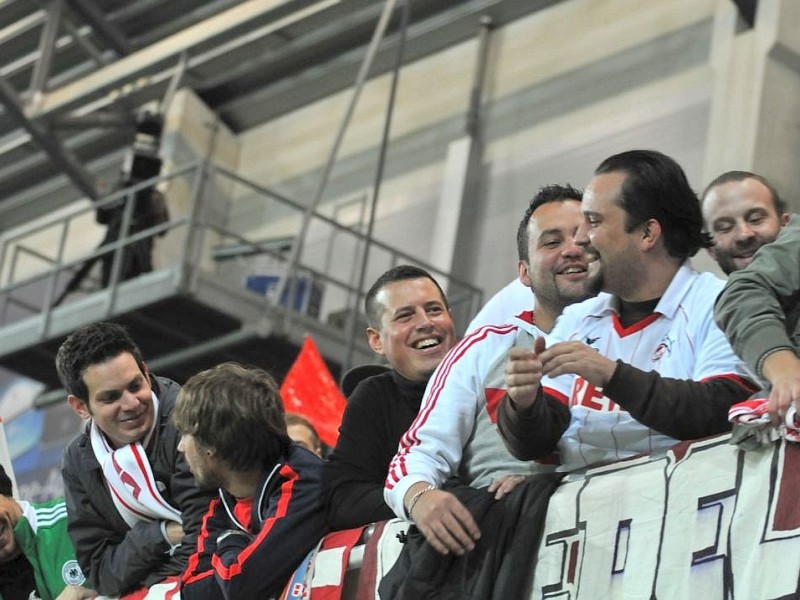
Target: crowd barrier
{"points": [[705, 520]]}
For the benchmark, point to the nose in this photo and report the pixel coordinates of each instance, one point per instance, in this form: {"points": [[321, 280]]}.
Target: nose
{"points": [[422, 320], [129, 401], [572, 248], [582, 236], [180, 444], [744, 231]]}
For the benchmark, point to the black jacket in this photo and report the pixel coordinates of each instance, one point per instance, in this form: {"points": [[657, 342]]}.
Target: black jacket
{"points": [[116, 558], [504, 558], [379, 411], [255, 559]]}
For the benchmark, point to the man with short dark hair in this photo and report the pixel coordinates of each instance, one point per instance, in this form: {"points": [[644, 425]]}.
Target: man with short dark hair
{"points": [[742, 212], [455, 433], [269, 511], [133, 506], [643, 365], [410, 325]]}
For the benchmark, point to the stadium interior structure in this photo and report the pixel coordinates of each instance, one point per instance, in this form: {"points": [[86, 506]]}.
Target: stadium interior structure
{"points": [[301, 147]]}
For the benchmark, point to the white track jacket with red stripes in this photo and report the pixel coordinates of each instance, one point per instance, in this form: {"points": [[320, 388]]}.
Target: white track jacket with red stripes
{"points": [[455, 432]]}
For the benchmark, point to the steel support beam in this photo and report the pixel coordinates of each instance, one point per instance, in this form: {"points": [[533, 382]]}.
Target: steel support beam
{"points": [[95, 119], [47, 46], [103, 28], [146, 60], [426, 37], [82, 39], [60, 156]]}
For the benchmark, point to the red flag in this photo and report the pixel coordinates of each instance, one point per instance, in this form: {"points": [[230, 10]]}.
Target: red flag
{"points": [[309, 390]]}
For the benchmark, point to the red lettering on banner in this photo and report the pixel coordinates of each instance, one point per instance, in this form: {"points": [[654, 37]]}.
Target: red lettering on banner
{"points": [[787, 509], [586, 394]]}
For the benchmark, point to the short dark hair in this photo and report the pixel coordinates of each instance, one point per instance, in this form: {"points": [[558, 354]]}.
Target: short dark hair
{"points": [[729, 176], [238, 412], [373, 308], [545, 195], [92, 344], [656, 188]]}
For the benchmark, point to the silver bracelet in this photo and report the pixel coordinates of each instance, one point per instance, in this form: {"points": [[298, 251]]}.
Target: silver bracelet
{"points": [[417, 496]]}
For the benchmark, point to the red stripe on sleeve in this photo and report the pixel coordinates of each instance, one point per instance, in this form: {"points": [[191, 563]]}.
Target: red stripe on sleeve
{"points": [[287, 488], [397, 468], [190, 574]]}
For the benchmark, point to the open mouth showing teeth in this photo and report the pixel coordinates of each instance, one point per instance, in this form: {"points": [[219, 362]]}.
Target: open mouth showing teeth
{"points": [[573, 270], [428, 343]]}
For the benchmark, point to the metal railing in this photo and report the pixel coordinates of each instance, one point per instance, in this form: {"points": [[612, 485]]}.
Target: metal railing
{"points": [[208, 239]]}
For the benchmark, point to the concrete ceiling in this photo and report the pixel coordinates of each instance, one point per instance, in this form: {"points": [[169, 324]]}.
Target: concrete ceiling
{"points": [[74, 73]]}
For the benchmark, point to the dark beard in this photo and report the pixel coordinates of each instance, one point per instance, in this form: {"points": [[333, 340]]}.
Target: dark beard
{"points": [[594, 285]]}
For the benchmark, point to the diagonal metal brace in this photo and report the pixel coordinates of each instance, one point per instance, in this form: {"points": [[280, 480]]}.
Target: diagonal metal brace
{"points": [[61, 157]]}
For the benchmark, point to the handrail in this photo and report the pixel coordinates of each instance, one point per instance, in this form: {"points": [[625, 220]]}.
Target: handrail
{"points": [[27, 229], [344, 228], [197, 225]]}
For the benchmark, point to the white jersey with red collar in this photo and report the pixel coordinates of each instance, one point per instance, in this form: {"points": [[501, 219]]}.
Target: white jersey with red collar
{"points": [[679, 340], [455, 432]]}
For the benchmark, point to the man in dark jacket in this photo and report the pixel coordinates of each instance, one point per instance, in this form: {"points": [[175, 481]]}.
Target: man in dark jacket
{"points": [[410, 325], [133, 505], [269, 512]]}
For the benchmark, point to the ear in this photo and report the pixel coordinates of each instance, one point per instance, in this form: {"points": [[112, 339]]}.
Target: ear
{"points": [[524, 273], [785, 219], [651, 233], [79, 406], [374, 339]]}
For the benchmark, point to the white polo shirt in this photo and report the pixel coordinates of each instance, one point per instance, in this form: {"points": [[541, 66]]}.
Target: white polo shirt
{"points": [[680, 340]]}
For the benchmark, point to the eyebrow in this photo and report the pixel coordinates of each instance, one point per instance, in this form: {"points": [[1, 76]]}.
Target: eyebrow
{"points": [[400, 309], [552, 231], [412, 306], [430, 303], [756, 209], [105, 393]]}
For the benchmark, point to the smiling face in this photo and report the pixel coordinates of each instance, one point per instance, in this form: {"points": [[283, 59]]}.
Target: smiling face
{"points": [[621, 266], [120, 399], [10, 513], [416, 330], [741, 216], [557, 268]]}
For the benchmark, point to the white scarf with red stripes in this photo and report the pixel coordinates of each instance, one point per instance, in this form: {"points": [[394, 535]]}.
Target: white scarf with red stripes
{"points": [[130, 478]]}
